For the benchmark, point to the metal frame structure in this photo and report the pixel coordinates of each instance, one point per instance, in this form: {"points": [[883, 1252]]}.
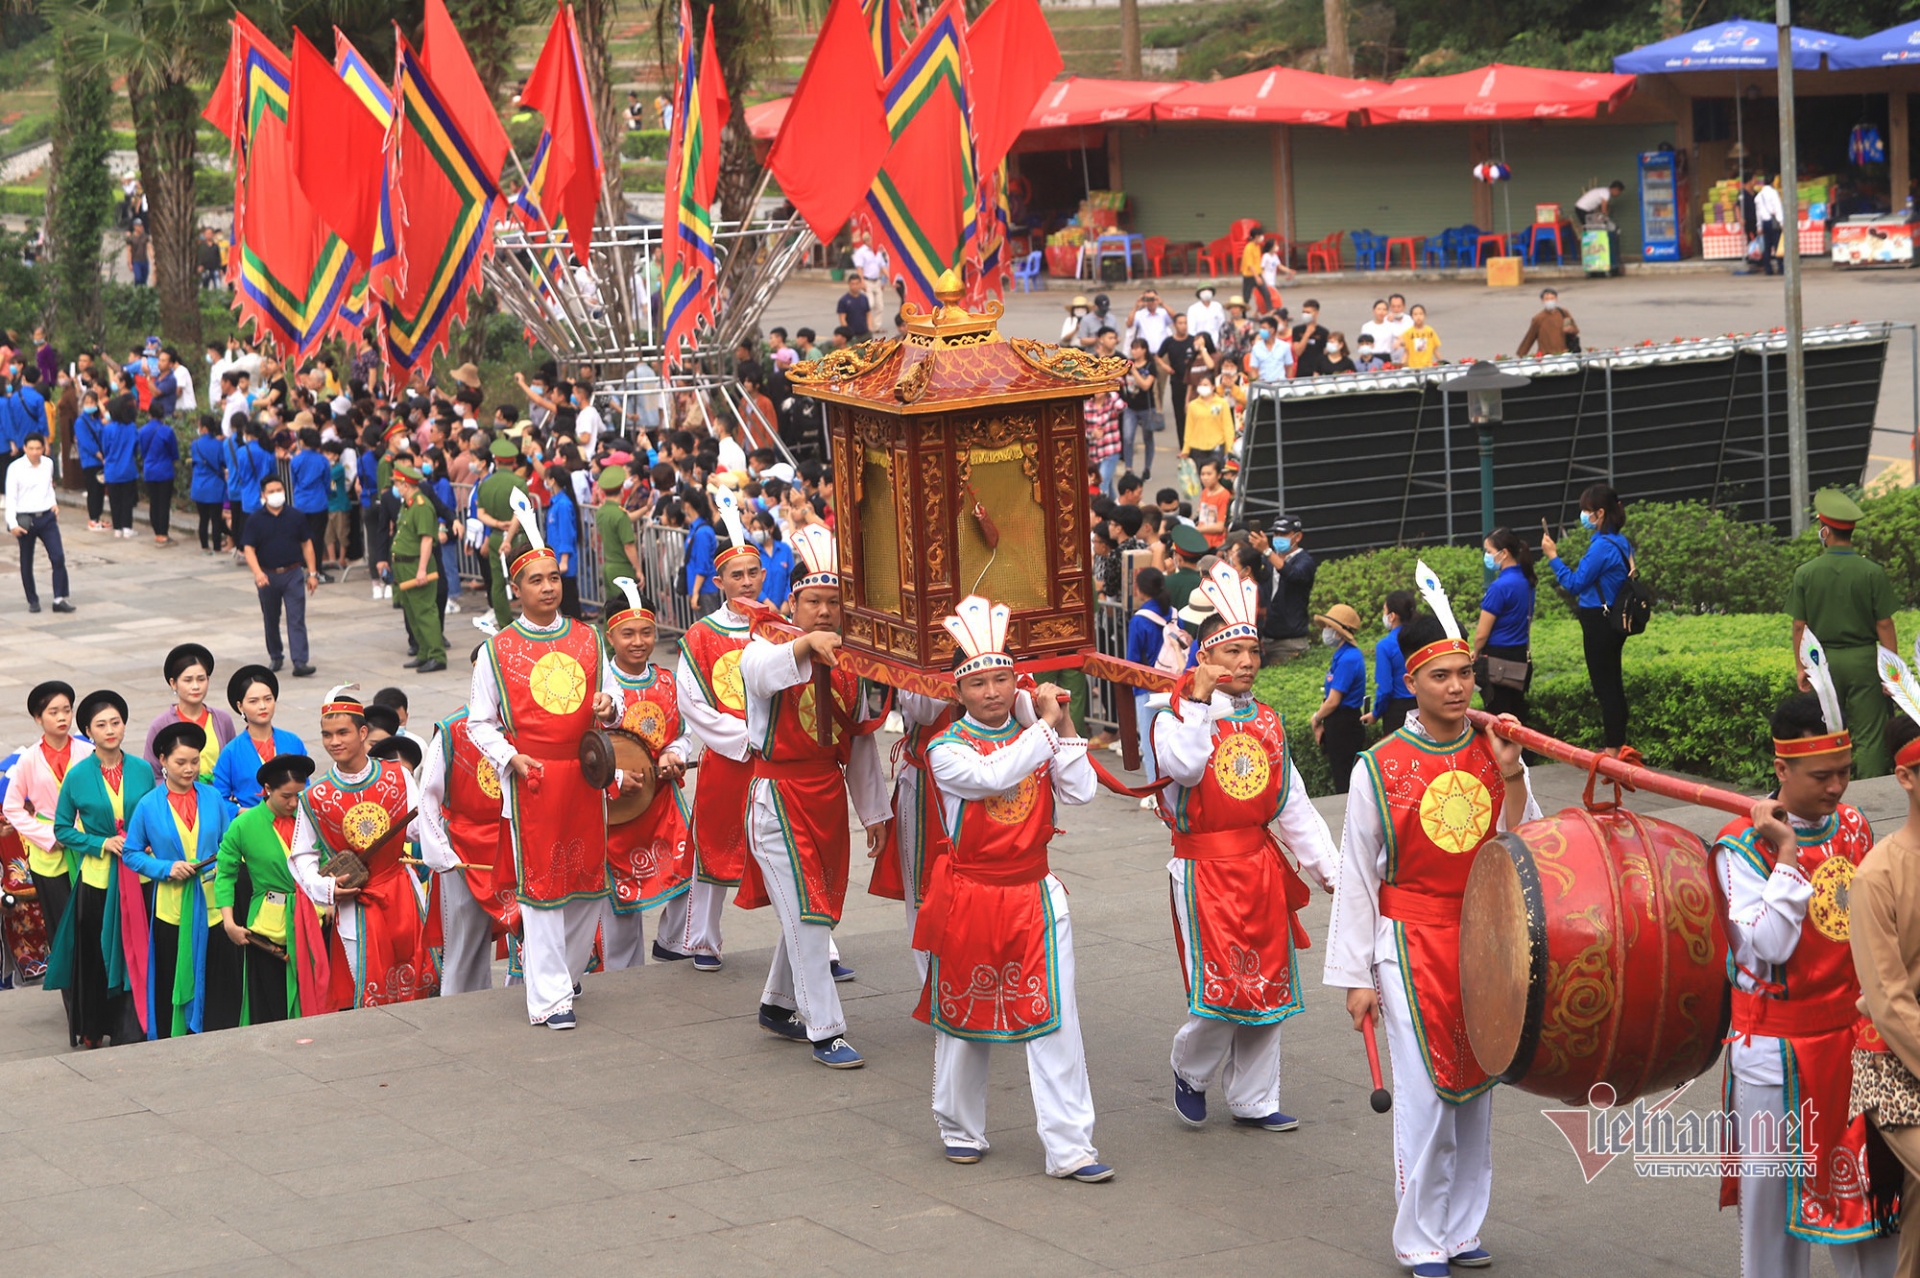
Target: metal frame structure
{"points": [[1374, 459]]}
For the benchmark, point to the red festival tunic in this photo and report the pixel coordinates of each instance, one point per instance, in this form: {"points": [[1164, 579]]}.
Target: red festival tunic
{"points": [[720, 799], [1438, 805], [475, 830], [1242, 895], [558, 827], [988, 921], [651, 856], [1809, 1003], [394, 964], [809, 787], [911, 809]]}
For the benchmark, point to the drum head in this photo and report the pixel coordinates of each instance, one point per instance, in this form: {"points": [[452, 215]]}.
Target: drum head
{"points": [[631, 756], [596, 759], [1503, 956]]}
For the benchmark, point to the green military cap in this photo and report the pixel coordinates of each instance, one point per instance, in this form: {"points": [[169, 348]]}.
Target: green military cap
{"points": [[613, 478], [1189, 541], [505, 449], [409, 473], [1836, 509]]}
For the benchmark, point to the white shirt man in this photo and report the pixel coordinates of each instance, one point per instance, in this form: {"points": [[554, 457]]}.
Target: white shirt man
{"points": [[1398, 322], [1206, 316], [1767, 207], [587, 425], [1151, 323], [1594, 201], [871, 264], [29, 489]]}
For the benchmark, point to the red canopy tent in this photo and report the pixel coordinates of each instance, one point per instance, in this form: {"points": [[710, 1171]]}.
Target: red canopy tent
{"points": [[764, 120], [1499, 92], [1275, 95], [1078, 100]]}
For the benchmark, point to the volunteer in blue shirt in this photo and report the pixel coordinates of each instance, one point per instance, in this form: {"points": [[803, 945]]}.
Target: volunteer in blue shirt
{"points": [[776, 554], [88, 444], [208, 486], [260, 467], [1336, 724], [1146, 636], [311, 473], [120, 467], [563, 537], [1502, 655], [29, 408], [159, 452], [1390, 698], [1596, 582], [241, 479], [702, 589]]}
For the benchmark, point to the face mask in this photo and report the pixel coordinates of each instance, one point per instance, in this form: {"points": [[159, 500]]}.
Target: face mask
{"points": [[1204, 389], [426, 468], [1386, 621], [758, 536], [1586, 519], [1551, 304], [1266, 335], [538, 389], [1334, 349], [1487, 558], [1283, 544], [1329, 636], [276, 500], [1206, 295], [209, 357]]}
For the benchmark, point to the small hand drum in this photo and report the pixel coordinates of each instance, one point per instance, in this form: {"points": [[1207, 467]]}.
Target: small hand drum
{"points": [[631, 756], [347, 869], [596, 759]]}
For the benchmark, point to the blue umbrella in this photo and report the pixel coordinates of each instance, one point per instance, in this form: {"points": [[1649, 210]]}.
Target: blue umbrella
{"points": [[1883, 49], [1730, 46]]}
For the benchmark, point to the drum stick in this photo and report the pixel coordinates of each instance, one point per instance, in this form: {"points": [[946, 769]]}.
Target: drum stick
{"points": [[1382, 1099], [1631, 775], [458, 865]]}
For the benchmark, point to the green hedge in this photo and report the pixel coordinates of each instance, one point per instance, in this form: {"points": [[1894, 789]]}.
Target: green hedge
{"points": [[644, 144], [23, 201], [1699, 689]]}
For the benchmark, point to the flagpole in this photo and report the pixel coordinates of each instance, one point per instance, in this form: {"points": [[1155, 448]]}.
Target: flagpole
{"points": [[1790, 253]]}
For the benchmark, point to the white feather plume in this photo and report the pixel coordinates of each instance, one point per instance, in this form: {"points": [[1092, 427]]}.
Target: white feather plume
{"points": [[1234, 597], [631, 591], [529, 521], [727, 505], [339, 688], [1814, 658], [1898, 682], [979, 625], [1436, 596]]}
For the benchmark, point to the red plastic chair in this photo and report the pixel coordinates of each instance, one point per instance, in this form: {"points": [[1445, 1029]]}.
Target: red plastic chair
{"points": [[1499, 243], [1242, 230], [1156, 250], [1325, 254], [1411, 243], [1218, 258]]}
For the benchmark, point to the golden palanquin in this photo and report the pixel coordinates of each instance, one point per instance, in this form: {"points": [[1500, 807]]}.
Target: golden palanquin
{"points": [[960, 467]]}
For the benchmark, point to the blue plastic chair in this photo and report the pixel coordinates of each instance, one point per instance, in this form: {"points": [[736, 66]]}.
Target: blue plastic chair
{"points": [[1027, 271], [1465, 241], [1369, 250], [1434, 252]]}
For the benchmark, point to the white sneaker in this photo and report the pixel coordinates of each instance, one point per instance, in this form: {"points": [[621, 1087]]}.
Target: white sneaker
{"points": [[386, 591], [376, 590], [485, 624], [1147, 803], [453, 606]]}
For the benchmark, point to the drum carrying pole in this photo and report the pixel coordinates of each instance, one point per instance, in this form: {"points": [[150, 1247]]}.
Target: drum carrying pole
{"points": [[1631, 776]]}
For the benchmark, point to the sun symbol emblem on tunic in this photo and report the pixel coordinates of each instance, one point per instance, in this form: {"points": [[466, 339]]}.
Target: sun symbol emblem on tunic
{"points": [[648, 722], [1456, 811], [487, 778], [1013, 806], [558, 683], [726, 681], [363, 825], [1240, 766], [1832, 888], [809, 712]]}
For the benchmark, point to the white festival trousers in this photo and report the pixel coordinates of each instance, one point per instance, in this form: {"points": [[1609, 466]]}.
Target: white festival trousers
{"points": [[1767, 1250], [694, 928], [1056, 1073], [555, 946], [623, 937], [466, 957], [1442, 1154], [801, 976], [1244, 1059]]}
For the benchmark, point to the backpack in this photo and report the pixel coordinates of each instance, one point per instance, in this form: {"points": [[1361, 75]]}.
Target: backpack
{"points": [[1632, 608], [1174, 643]]}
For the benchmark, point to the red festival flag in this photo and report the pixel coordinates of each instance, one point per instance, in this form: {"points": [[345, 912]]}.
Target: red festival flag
{"points": [[1014, 60], [835, 136], [716, 108], [557, 89], [448, 64], [337, 145]]}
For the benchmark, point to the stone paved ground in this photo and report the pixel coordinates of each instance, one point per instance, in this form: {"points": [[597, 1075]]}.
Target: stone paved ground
{"points": [[670, 1135]]}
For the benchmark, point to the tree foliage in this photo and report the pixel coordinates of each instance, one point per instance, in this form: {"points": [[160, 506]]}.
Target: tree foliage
{"points": [[79, 198]]}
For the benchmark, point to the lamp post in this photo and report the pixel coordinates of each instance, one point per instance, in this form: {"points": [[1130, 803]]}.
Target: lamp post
{"points": [[1484, 384]]}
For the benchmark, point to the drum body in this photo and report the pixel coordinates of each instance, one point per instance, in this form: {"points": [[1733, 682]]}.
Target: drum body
{"points": [[1592, 952], [631, 756]]}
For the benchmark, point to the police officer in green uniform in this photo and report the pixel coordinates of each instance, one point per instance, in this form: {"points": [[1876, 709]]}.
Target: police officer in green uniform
{"points": [[1847, 601], [416, 562], [496, 512], [619, 543], [1189, 547]]}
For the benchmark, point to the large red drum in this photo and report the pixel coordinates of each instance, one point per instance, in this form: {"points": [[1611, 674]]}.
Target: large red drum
{"points": [[1591, 952]]}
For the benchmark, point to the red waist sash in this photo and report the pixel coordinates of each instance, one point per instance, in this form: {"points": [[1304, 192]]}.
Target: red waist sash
{"points": [[795, 769], [1407, 906], [1212, 844], [1792, 1018]]}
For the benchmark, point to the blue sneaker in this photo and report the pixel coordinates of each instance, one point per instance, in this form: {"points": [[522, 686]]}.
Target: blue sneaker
{"points": [[706, 962], [661, 954], [1478, 1258], [1274, 1122], [841, 972], [785, 1028], [962, 1154], [576, 989], [1432, 1269], [559, 1021], [1191, 1105], [1091, 1174], [837, 1053]]}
